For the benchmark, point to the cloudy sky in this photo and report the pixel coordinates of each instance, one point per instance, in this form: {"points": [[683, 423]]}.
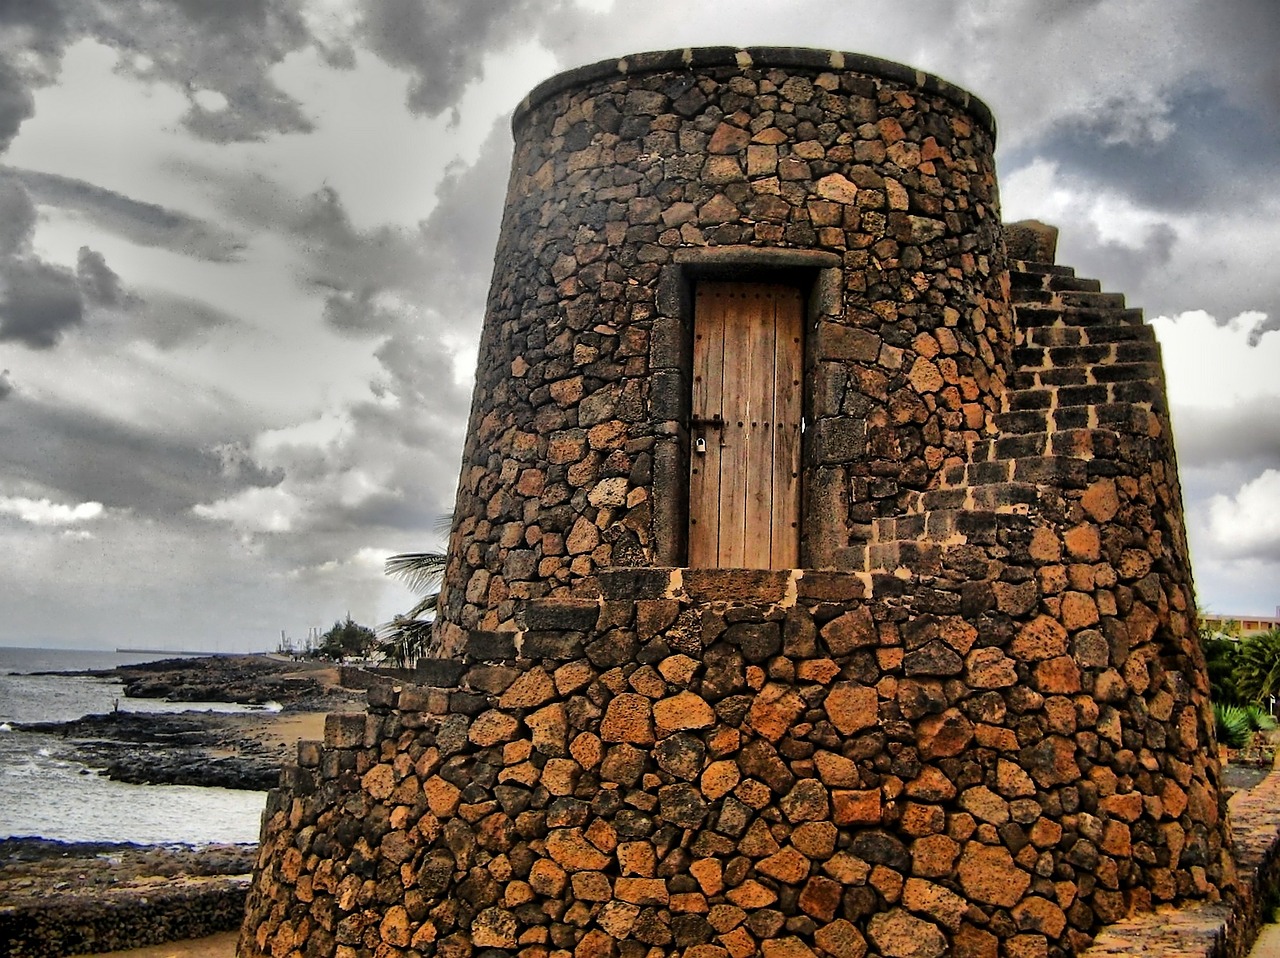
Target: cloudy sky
{"points": [[245, 244]]}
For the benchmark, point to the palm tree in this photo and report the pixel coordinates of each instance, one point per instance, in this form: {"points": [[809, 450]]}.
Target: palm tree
{"points": [[1257, 667], [406, 638]]}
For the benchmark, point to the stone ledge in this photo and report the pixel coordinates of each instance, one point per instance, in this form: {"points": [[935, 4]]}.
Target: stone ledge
{"points": [[1217, 930], [755, 58]]}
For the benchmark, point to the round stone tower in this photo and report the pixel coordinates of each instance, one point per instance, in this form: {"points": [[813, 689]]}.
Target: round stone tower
{"points": [[658, 207], [818, 584]]}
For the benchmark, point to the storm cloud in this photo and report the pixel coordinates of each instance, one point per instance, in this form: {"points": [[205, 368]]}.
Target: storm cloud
{"points": [[147, 224]]}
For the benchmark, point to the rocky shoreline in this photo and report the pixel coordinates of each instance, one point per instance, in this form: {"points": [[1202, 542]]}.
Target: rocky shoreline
{"points": [[207, 748], [59, 898], [71, 898]]}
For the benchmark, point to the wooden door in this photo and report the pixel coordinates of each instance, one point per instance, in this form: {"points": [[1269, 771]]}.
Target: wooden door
{"points": [[744, 482]]}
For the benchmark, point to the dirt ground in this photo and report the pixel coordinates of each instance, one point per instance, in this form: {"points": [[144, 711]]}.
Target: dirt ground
{"points": [[215, 946]]}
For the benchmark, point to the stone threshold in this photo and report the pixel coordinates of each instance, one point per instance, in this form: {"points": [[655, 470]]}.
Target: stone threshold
{"points": [[1217, 929]]}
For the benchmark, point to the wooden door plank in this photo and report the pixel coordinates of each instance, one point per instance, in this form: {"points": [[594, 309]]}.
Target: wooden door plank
{"points": [[733, 485], [788, 409], [704, 469], [758, 376]]}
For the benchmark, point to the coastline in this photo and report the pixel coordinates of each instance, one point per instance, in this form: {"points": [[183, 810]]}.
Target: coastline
{"points": [[64, 898]]}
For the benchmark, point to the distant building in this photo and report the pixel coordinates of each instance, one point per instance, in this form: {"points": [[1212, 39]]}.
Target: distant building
{"points": [[1243, 626]]}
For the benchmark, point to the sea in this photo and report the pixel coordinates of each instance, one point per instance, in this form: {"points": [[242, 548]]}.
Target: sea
{"points": [[45, 793]]}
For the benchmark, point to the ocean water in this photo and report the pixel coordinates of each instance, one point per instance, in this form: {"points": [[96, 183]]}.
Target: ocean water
{"points": [[45, 793]]}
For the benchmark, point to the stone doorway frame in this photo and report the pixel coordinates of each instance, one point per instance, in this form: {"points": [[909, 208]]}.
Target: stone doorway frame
{"points": [[819, 276]]}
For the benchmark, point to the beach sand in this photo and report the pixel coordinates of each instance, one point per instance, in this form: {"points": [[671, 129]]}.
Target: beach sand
{"points": [[215, 946], [284, 728]]}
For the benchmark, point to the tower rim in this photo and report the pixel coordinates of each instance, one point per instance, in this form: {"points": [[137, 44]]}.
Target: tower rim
{"points": [[747, 58]]}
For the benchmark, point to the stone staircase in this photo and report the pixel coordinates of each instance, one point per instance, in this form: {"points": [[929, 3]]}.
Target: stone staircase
{"points": [[1086, 373]]}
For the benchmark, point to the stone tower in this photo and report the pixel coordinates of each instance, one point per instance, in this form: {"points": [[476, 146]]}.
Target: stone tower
{"points": [[818, 582]]}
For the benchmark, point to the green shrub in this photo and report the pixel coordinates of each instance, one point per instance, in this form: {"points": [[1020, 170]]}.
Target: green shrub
{"points": [[1237, 723], [1234, 726]]}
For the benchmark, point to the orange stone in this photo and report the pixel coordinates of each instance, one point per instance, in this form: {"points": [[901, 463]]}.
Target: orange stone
{"points": [[751, 894], [709, 874], [1083, 542], [530, 690], [944, 735], [787, 866], [629, 718], [851, 707], [1101, 500], [851, 807], [934, 856], [681, 712], [1041, 638], [774, 711], [841, 939], [1057, 676], [642, 891], [988, 874], [571, 850], [941, 904], [719, 779], [1078, 611]]}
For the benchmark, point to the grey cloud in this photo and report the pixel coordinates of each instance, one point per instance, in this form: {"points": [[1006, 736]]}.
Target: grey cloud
{"points": [[40, 302], [442, 43], [17, 218], [16, 103], [6, 384], [1201, 151], [86, 456], [251, 114], [146, 224], [1246, 35], [1123, 268], [229, 47], [99, 283], [169, 321], [1243, 438]]}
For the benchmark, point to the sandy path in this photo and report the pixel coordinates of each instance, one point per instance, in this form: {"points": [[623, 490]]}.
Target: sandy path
{"points": [[286, 728], [215, 946]]}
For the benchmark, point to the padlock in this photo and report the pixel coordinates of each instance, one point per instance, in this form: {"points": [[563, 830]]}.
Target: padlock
{"points": [[700, 445]]}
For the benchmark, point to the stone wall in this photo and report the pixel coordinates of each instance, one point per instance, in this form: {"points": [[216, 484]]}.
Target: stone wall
{"points": [[728, 763], [173, 910]]}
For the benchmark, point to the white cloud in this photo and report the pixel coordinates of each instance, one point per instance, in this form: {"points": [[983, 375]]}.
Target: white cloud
{"points": [[1248, 523], [45, 512], [254, 510], [1215, 365]]}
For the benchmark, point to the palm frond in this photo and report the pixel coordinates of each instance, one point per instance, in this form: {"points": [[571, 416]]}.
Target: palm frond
{"points": [[419, 570]]}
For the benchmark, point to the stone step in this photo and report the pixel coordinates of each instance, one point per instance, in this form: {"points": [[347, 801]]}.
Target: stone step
{"points": [[1121, 417], [1084, 298], [1025, 267], [943, 526], [1063, 472], [944, 534], [1078, 443], [1086, 335], [1028, 316], [1147, 393], [1086, 375], [998, 497], [1022, 281], [1027, 358]]}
